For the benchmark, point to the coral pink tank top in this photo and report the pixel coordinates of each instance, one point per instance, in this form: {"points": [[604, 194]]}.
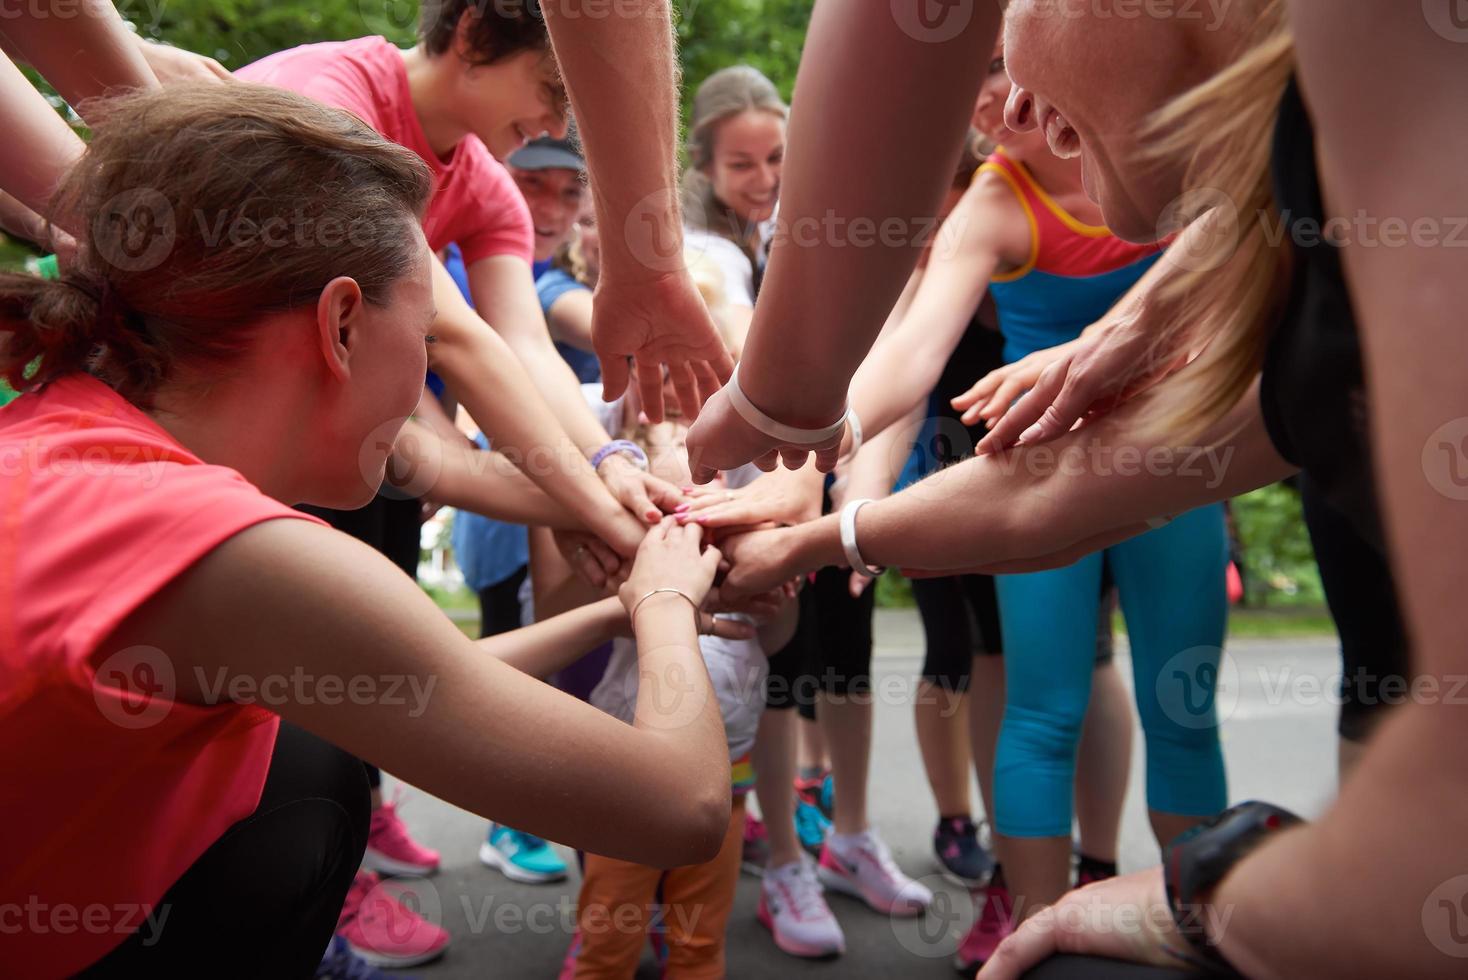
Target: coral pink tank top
{"points": [[109, 789]]}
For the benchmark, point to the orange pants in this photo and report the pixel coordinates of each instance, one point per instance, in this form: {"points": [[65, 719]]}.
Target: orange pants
{"points": [[618, 898]]}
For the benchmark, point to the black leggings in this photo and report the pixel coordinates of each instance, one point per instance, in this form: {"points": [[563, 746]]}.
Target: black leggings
{"points": [[499, 605], [961, 621], [391, 525], [263, 900], [831, 650]]}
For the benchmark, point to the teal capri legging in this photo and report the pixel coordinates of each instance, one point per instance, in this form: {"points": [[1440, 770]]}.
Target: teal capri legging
{"points": [[1173, 596]]}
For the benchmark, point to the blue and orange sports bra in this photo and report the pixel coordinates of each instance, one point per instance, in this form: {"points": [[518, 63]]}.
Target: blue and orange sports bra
{"points": [[1075, 273]]}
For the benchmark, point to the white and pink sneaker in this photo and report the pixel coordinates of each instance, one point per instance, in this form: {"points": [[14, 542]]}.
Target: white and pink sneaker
{"points": [[391, 851], [383, 931], [793, 908], [861, 865]]}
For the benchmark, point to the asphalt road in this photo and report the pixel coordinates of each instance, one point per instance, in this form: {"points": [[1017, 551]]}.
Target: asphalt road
{"points": [[1279, 744]]}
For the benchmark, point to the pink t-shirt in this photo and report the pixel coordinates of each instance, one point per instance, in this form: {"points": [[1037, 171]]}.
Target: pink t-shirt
{"points": [[109, 788], [475, 201]]}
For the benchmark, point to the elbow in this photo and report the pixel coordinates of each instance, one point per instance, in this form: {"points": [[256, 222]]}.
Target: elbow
{"points": [[697, 835]]}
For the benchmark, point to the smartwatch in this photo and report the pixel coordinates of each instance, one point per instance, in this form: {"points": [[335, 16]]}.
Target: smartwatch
{"points": [[1198, 860]]}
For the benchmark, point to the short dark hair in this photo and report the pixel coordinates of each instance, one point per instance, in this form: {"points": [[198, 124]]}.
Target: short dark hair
{"points": [[497, 28]]}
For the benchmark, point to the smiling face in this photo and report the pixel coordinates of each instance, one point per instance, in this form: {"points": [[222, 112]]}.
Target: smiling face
{"points": [[554, 196], [512, 101], [1088, 83], [988, 116], [748, 154]]}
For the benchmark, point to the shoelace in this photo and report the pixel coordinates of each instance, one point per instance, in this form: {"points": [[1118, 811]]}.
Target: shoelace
{"points": [[876, 851], [392, 824], [802, 892]]}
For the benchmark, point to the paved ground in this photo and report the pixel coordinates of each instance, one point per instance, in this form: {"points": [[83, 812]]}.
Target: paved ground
{"points": [[1278, 740]]}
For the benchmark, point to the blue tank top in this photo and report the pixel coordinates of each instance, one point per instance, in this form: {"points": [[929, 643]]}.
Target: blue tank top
{"points": [[1075, 273]]}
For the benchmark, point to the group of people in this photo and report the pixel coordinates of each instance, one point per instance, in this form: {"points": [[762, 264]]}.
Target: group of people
{"points": [[350, 283]]}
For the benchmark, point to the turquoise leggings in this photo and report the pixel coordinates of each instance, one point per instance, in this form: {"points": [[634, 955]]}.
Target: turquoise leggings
{"points": [[1172, 589]]}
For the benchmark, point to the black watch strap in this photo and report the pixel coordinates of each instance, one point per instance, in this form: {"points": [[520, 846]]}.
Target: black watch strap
{"points": [[1199, 859]]}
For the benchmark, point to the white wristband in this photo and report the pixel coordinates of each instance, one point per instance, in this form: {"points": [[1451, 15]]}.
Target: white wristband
{"points": [[855, 421], [848, 540], [788, 435]]}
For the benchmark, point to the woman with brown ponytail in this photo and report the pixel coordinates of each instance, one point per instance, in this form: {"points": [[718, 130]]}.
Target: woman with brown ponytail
{"points": [[242, 329]]}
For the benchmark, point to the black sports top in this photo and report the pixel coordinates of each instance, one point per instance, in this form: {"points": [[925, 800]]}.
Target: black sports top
{"points": [[1313, 392]]}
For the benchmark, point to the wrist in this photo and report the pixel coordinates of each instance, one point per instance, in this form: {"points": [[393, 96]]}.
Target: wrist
{"points": [[1198, 862], [611, 617], [764, 392], [619, 455], [816, 544], [662, 607]]}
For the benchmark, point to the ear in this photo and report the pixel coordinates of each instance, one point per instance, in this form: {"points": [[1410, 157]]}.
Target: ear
{"points": [[339, 313], [463, 49]]}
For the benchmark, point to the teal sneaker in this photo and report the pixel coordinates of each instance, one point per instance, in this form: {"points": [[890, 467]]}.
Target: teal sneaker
{"points": [[520, 856], [811, 826]]}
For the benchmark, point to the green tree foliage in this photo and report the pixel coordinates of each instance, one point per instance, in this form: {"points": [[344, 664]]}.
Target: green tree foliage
{"points": [[237, 32], [765, 34], [712, 34], [1279, 564]]}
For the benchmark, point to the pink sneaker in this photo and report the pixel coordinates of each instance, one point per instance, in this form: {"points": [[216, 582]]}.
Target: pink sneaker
{"points": [[792, 907], [385, 932], [568, 962], [390, 850], [862, 866], [995, 921]]}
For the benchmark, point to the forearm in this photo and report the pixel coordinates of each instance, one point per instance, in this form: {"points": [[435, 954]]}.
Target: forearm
{"points": [[477, 480], [879, 463], [801, 376], [1045, 501], [897, 378], [1278, 927], [621, 77], [505, 298], [84, 52], [675, 700], [569, 319], [493, 387], [19, 221], [431, 414], [40, 148], [559, 388], [554, 643]]}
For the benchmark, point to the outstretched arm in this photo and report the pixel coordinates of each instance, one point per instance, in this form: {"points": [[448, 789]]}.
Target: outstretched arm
{"points": [[856, 236], [40, 148], [486, 377], [1032, 508], [621, 76], [84, 50], [907, 361], [447, 717]]}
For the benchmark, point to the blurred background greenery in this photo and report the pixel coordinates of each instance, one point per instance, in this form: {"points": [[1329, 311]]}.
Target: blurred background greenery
{"points": [[1281, 583]]}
